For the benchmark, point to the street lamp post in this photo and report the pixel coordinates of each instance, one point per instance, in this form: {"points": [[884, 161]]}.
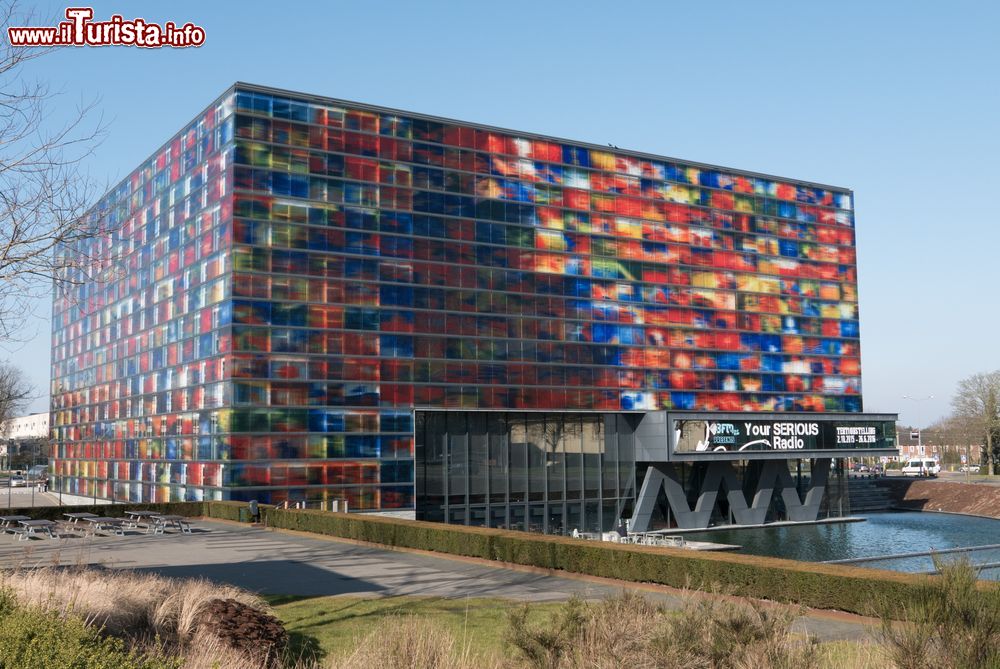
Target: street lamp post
{"points": [[920, 431]]}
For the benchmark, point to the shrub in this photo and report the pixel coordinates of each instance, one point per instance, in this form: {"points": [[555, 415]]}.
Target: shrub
{"points": [[545, 646], [725, 635], [949, 623], [629, 630], [32, 638]]}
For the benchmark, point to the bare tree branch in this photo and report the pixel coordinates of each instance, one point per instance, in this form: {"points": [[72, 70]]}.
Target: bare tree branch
{"points": [[44, 195], [977, 402], [15, 392]]}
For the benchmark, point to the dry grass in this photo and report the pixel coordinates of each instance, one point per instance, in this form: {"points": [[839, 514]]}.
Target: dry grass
{"points": [[629, 630], [852, 655], [123, 603], [153, 613], [411, 643], [158, 616], [624, 631], [208, 652]]}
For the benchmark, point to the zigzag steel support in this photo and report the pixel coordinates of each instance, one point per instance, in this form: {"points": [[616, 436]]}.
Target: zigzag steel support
{"points": [[646, 500], [808, 510], [773, 474]]}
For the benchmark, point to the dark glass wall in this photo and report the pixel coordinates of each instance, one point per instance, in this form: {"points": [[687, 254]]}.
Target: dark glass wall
{"points": [[543, 472]]}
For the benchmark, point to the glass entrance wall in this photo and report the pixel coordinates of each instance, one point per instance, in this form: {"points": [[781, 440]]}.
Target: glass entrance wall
{"points": [[541, 472]]}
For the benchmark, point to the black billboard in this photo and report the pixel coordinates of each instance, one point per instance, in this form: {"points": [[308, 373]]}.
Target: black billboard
{"points": [[775, 433]]}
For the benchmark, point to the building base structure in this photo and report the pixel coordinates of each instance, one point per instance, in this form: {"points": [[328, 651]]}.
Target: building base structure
{"points": [[556, 472]]}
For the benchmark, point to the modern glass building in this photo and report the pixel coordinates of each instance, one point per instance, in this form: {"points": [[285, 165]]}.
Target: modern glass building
{"points": [[296, 297]]}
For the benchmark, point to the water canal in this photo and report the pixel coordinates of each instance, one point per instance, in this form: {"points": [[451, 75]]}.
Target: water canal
{"points": [[880, 534]]}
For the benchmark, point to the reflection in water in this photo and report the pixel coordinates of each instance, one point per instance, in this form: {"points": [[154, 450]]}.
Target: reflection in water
{"points": [[880, 534]]}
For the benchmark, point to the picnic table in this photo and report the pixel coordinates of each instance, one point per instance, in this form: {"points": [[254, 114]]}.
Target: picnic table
{"points": [[9, 522], [159, 522], [33, 527], [106, 524], [74, 518], [135, 517]]}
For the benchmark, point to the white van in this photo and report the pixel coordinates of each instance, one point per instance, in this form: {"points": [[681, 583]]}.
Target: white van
{"points": [[921, 467]]}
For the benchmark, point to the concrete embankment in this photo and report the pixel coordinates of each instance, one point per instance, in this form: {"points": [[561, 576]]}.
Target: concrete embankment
{"points": [[922, 495]]}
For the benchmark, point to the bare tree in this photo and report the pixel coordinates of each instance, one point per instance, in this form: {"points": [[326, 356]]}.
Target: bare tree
{"points": [[43, 191], [977, 401], [952, 431], [15, 392]]}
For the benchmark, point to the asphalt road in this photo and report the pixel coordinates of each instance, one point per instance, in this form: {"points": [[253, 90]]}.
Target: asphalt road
{"points": [[277, 562]]}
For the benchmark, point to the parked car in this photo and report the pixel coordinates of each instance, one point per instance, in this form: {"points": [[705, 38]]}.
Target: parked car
{"points": [[860, 467], [969, 468], [17, 481], [921, 467]]}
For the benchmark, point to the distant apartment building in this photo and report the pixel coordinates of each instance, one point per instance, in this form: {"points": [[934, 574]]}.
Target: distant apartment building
{"points": [[32, 426], [24, 439]]}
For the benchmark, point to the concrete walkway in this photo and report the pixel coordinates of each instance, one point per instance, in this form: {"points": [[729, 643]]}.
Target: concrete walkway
{"points": [[279, 562]]}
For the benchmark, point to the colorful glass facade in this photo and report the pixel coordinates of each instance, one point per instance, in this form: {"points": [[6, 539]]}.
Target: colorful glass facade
{"points": [[293, 275]]}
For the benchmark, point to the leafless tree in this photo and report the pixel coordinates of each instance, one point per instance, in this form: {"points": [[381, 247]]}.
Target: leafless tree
{"points": [[952, 431], [977, 401], [15, 392], [44, 193]]}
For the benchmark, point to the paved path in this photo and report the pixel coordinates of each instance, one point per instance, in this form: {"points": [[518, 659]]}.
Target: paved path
{"points": [[25, 498], [273, 562]]}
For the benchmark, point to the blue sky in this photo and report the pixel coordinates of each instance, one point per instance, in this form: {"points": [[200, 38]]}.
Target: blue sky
{"points": [[896, 100]]}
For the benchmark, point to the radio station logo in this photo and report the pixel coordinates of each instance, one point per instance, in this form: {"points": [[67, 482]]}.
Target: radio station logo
{"points": [[716, 436]]}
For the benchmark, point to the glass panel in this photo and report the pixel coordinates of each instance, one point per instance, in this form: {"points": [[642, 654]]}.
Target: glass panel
{"points": [[498, 517], [478, 466], [558, 428], [458, 458], [477, 516], [609, 461], [536, 518], [498, 457], [592, 516], [535, 436], [518, 459], [593, 447], [556, 520], [574, 458], [517, 517], [574, 516]]}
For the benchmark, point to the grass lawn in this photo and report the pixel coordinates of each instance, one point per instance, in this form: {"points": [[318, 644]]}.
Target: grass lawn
{"points": [[332, 625]]}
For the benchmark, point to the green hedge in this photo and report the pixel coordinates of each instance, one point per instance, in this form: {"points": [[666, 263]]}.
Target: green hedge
{"points": [[816, 585], [226, 510]]}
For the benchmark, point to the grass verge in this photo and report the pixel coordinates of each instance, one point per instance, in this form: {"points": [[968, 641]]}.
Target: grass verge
{"points": [[335, 624]]}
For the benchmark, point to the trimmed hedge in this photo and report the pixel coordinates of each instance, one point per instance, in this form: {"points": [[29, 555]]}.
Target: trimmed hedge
{"points": [[226, 510], [821, 586]]}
